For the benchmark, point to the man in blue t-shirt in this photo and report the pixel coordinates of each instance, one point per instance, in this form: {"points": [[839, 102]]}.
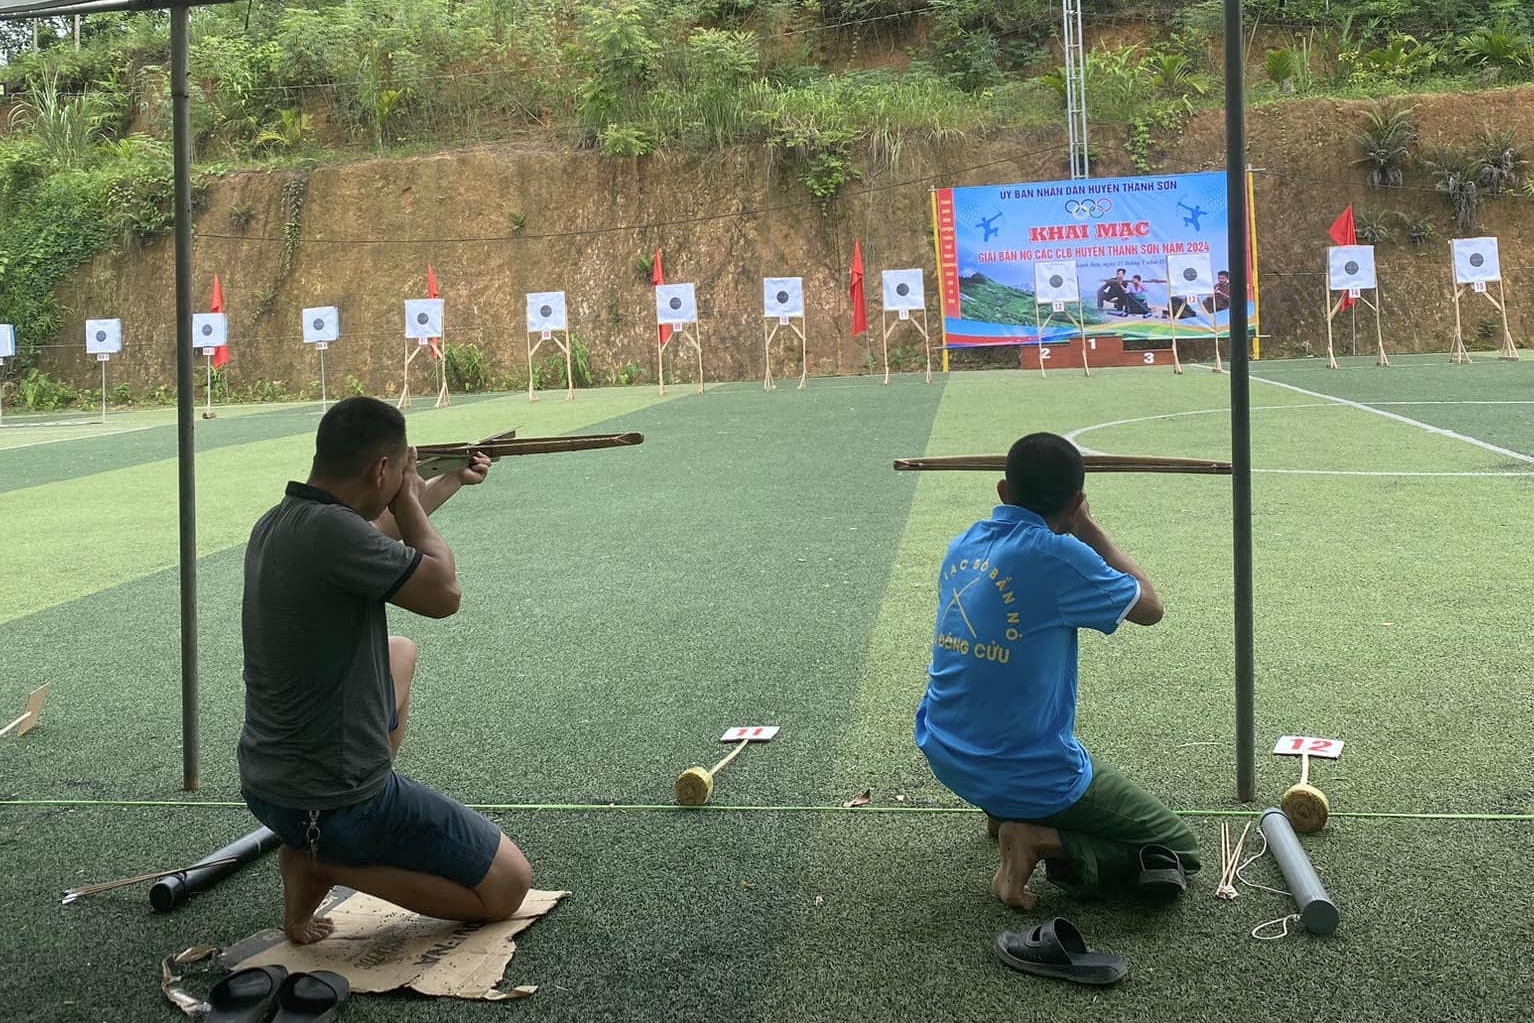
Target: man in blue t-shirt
{"points": [[998, 719]]}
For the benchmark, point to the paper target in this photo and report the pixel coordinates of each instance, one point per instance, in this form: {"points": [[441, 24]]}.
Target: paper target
{"points": [[675, 304], [7, 341], [1054, 280], [903, 289], [546, 311], [782, 296], [1476, 261], [423, 318], [1350, 267], [322, 324], [103, 337], [210, 330], [1189, 275]]}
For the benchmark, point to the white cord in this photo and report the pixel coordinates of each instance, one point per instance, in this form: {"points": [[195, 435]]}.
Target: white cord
{"points": [[1253, 859], [1285, 920]]}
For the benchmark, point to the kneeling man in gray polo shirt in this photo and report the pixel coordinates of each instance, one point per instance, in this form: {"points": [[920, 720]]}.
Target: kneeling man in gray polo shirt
{"points": [[327, 689]]}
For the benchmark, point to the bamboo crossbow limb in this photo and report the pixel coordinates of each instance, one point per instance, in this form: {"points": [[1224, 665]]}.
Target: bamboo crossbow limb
{"points": [[1094, 463], [437, 459]]}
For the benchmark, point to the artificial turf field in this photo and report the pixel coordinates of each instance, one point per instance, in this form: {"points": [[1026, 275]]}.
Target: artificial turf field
{"points": [[758, 561]]}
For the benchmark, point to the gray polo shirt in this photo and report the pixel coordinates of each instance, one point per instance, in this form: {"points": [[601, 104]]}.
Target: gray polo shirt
{"points": [[318, 694]]}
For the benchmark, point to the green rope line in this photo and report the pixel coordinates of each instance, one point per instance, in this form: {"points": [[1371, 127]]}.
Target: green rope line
{"points": [[653, 807]]}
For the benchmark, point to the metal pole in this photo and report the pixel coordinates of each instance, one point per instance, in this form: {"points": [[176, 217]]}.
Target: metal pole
{"points": [[1240, 403], [186, 450]]}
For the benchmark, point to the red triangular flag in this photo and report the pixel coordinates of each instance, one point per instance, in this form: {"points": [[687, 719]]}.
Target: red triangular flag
{"points": [[221, 353], [658, 276], [1343, 233], [432, 292], [859, 303]]}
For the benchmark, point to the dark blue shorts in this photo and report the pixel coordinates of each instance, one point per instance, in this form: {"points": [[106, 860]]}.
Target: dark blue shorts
{"points": [[406, 825]]}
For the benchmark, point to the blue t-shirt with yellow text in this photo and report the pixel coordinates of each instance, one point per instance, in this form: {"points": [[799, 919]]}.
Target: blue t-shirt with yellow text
{"points": [[997, 723]]}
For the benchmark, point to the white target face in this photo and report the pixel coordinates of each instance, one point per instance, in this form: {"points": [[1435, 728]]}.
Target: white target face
{"points": [[1189, 275], [1350, 267], [7, 341], [782, 296], [210, 330], [103, 337], [676, 304], [322, 324], [546, 311], [423, 318], [1054, 280], [1476, 261], [903, 289]]}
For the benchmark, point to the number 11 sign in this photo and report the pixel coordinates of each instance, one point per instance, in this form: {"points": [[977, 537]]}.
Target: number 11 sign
{"points": [[1297, 745]]}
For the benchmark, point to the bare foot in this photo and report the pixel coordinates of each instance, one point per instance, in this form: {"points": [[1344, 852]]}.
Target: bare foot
{"points": [[1022, 846], [304, 887]]}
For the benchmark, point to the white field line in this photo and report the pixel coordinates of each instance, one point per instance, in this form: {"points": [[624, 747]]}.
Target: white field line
{"points": [[1516, 456], [1339, 403]]}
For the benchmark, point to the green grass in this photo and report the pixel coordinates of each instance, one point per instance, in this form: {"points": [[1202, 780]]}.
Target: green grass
{"points": [[756, 561]]}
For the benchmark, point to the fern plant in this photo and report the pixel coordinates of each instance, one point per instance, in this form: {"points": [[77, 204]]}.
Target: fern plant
{"points": [[1386, 143]]}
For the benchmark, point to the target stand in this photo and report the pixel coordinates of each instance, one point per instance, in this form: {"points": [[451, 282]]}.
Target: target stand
{"points": [[1477, 265], [1056, 285], [423, 324], [7, 351], [546, 319], [103, 339], [210, 331], [676, 306], [1350, 270], [783, 307], [1190, 280], [322, 327], [905, 295]]}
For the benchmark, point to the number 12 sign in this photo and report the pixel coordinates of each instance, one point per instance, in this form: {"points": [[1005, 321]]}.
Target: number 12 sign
{"points": [[1294, 745]]}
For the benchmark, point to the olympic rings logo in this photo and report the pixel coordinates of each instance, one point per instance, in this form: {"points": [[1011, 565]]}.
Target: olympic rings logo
{"points": [[1081, 209]]}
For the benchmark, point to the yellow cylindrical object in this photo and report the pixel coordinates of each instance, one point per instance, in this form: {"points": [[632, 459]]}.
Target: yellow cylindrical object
{"points": [[1306, 807], [694, 786]]}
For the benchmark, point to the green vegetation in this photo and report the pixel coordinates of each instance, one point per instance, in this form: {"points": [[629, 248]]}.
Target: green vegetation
{"points": [[827, 91]]}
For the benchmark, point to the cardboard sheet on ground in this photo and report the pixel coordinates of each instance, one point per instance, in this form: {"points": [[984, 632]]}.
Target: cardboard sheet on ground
{"points": [[378, 946]]}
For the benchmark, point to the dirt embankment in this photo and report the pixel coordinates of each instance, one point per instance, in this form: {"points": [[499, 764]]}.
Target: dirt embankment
{"points": [[499, 221]]}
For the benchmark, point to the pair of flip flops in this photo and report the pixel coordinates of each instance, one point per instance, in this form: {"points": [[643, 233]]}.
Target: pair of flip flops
{"points": [[270, 994], [1056, 949]]}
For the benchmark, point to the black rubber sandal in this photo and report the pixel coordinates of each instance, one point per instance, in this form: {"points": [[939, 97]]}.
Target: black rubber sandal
{"points": [[311, 997], [1056, 949], [246, 996], [1161, 873]]}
